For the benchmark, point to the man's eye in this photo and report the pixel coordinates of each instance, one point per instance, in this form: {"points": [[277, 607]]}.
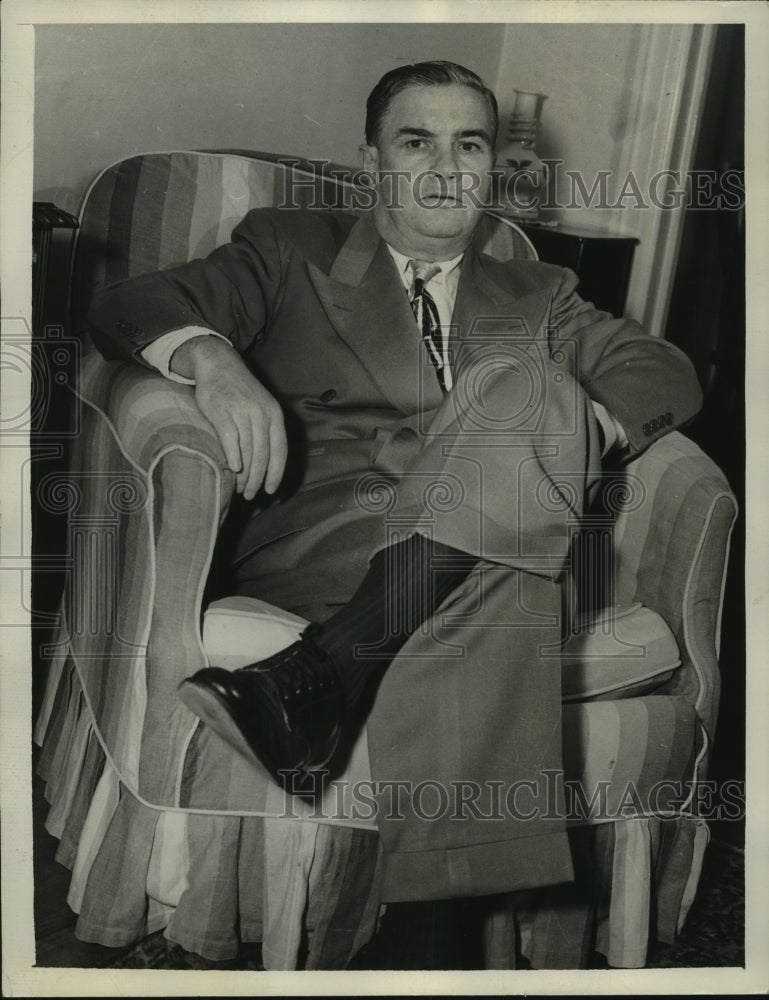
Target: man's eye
{"points": [[415, 143], [470, 147]]}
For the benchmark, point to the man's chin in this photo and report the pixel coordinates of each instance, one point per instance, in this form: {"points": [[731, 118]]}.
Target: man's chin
{"points": [[448, 230], [444, 221]]}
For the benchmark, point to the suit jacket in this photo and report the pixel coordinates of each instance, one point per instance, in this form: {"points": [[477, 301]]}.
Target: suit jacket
{"points": [[313, 302]]}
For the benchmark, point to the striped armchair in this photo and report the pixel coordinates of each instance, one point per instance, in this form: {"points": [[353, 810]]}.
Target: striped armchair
{"points": [[163, 827]]}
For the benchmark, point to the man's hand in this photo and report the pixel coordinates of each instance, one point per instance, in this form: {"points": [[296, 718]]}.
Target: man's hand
{"points": [[246, 417]]}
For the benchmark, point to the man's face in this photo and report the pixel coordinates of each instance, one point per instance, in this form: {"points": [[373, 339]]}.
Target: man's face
{"points": [[441, 136]]}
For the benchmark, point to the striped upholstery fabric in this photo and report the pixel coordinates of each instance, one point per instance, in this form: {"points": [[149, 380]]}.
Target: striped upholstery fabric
{"points": [[627, 748], [671, 542], [306, 891], [147, 415], [161, 824], [162, 209]]}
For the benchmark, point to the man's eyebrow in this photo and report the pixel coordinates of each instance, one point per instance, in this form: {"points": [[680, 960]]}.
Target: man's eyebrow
{"points": [[413, 130], [423, 133], [475, 133]]}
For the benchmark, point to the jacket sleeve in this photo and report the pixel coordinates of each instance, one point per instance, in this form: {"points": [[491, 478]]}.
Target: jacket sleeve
{"points": [[233, 292], [647, 384]]}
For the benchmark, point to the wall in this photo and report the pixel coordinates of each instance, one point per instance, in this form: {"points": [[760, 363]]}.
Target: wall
{"points": [[107, 91], [586, 71], [622, 98]]}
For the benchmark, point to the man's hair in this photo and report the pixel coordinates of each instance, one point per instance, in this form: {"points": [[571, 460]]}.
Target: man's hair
{"points": [[437, 73]]}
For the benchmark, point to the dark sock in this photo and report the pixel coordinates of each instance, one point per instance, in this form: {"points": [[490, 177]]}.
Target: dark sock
{"points": [[404, 585]]}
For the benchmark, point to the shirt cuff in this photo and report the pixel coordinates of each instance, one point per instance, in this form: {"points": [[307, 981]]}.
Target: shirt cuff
{"points": [[159, 352], [613, 431]]}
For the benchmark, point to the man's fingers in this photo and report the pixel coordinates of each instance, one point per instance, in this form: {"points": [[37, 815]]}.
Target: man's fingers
{"points": [[258, 459], [278, 454], [230, 441], [247, 450], [248, 422]]}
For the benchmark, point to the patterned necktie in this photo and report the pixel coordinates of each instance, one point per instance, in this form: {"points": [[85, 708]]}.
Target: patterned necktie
{"points": [[426, 313]]}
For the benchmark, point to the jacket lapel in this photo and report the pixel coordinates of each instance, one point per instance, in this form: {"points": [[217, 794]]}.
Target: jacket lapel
{"points": [[366, 304], [486, 310]]}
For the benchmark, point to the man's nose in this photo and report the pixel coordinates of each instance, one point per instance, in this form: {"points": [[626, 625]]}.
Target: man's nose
{"points": [[445, 162]]}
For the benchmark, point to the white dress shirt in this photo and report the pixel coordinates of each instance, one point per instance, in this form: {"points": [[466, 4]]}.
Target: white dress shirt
{"points": [[443, 289]]}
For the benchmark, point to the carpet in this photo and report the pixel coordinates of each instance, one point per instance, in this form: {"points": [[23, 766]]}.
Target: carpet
{"points": [[714, 933]]}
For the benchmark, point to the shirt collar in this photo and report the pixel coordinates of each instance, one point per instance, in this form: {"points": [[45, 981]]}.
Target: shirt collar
{"points": [[402, 261]]}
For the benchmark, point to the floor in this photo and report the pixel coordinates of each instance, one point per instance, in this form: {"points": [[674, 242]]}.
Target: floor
{"points": [[428, 936]]}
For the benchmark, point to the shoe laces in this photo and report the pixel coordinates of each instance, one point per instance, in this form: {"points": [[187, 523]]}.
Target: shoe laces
{"points": [[308, 668]]}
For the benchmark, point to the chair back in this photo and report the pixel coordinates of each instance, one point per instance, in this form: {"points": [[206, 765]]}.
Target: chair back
{"points": [[154, 211]]}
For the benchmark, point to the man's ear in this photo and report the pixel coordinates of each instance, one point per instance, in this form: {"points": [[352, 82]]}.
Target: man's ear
{"points": [[369, 157]]}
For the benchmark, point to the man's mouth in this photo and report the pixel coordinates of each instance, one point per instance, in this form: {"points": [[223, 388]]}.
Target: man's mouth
{"points": [[440, 199]]}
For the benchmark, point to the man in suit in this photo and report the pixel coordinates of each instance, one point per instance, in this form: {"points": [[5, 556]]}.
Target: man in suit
{"points": [[418, 428]]}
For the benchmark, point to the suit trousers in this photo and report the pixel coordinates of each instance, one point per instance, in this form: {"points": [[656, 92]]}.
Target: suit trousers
{"points": [[464, 731]]}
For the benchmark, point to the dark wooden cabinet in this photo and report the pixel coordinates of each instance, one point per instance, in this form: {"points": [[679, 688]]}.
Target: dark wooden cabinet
{"points": [[50, 264]]}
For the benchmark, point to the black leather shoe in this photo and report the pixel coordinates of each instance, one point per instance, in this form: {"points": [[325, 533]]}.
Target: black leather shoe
{"points": [[285, 712]]}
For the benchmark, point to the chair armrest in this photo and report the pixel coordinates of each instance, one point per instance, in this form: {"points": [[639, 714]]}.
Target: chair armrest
{"points": [[703, 600], [673, 547], [148, 414], [147, 490]]}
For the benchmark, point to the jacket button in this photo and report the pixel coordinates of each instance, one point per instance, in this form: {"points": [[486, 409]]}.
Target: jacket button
{"points": [[328, 395]]}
